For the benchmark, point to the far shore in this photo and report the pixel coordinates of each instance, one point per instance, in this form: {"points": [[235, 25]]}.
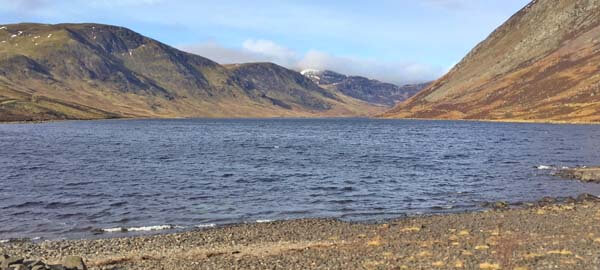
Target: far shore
{"points": [[514, 121], [545, 235]]}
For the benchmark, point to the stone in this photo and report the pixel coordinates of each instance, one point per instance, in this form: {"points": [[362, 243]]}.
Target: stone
{"points": [[35, 263], [500, 205], [38, 267], [585, 174], [19, 267], [11, 261], [586, 197], [74, 262], [548, 200]]}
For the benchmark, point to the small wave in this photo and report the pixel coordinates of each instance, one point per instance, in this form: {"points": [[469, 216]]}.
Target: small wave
{"points": [[544, 167], [113, 230], [17, 240], [442, 207], [264, 221], [142, 229], [210, 225]]}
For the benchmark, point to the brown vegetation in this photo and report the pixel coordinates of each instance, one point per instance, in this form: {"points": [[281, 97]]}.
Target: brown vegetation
{"points": [[543, 64]]}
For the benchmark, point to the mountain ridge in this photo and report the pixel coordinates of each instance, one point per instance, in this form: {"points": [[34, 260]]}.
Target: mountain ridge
{"points": [[92, 71], [371, 90]]}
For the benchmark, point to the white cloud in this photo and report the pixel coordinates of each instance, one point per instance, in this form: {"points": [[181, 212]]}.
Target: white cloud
{"points": [[225, 55], [396, 72], [269, 51]]}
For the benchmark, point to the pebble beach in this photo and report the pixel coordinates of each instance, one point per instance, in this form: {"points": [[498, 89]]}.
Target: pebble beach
{"points": [[549, 234]]}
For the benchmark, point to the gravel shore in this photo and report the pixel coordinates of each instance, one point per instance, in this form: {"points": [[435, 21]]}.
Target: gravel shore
{"points": [[548, 236]]}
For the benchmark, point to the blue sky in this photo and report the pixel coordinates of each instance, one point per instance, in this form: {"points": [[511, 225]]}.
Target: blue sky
{"points": [[393, 40]]}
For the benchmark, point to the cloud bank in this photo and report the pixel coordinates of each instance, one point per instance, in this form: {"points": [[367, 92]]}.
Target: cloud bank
{"points": [[260, 50]]}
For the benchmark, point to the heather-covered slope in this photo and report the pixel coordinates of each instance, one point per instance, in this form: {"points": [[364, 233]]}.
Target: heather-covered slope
{"points": [[89, 71], [543, 64]]}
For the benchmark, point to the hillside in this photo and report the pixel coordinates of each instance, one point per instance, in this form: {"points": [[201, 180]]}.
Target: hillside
{"points": [[91, 71], [373, 91], [543, 64]]}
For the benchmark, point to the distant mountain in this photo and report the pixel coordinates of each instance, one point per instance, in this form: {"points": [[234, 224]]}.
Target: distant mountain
{"points": [[90, 71], [282, 86], [372, 91], [543, 64]]}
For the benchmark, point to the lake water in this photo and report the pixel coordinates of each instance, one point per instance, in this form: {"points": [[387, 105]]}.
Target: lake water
{"points": [[77, 179]]}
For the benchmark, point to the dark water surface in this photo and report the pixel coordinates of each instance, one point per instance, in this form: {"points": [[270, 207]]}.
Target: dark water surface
{"points": [[74, 179]]}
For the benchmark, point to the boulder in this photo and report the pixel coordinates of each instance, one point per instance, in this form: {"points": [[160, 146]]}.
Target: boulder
{"points": [[74, 262], [585, 174], [587, 197], [8, 261], [500, 205]]}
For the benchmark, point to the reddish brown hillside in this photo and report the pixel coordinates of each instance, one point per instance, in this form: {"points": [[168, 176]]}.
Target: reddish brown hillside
{"points": [[543, 64]]}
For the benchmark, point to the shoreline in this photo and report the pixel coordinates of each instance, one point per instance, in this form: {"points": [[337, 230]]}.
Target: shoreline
{"points": [[563, 234], [509, 121], [134, 231]]}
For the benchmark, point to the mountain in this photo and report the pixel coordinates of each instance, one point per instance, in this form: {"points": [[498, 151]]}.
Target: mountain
{"points": [[91, 71], [543, 64], [282, 86], [372, 91]]}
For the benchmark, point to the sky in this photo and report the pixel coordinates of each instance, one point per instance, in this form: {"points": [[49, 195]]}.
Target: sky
{"points": [[399, 41]]}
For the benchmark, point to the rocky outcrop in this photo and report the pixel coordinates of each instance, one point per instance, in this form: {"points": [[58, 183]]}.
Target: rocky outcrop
{"points": [[585, 174], [19, 263]]}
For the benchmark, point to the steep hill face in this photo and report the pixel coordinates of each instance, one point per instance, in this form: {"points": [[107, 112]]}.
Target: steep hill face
{"points": [[542, 64], [372, 91], [88, 71], [284, 87]]}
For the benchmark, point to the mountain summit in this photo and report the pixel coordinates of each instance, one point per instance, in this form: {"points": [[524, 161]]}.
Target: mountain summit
{"points": [[373, 91], [543, 64]]}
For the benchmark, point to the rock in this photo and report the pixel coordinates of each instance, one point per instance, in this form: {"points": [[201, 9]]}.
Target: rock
{"points": [[20, 267], [3, 257], [11, 261], [500, 205], [35, 263], [56, 267], [74, 262], [546, 201], [587, 197], [38, 267], [585, 174]]}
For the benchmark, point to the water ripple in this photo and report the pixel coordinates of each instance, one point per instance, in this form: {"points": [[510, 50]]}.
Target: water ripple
{"points": [[73, 179]]}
